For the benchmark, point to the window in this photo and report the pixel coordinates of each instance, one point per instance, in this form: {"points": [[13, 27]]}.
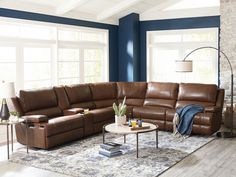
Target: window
{"points": [[164, 47], [39, 54], [7, 62], [37, 67]]}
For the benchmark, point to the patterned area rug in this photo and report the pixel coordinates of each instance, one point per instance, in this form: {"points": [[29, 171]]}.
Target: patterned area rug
{"points": [[81, 158]]}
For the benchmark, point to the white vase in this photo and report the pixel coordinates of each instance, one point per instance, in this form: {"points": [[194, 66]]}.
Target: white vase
{"points": [[120, 120]]}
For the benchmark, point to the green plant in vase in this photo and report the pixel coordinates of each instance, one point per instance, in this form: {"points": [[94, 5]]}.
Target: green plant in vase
{"points": [[120, 110]]}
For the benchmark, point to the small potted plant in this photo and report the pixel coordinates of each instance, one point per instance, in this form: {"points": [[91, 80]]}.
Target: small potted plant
{"points": [[14, 116], [120, 110]]}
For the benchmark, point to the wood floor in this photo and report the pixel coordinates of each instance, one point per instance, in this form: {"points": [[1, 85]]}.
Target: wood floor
{"points": [[216, 159]]}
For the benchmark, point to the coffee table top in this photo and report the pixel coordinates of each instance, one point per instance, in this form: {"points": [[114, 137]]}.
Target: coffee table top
{"points": [[124, 129]]}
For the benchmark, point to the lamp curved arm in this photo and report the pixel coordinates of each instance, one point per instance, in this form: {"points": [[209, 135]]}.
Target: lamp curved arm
{"points": [[209, 47]]}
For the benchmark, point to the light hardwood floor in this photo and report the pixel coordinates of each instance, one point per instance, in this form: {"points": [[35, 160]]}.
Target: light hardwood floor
{"points": [[216, 159]]}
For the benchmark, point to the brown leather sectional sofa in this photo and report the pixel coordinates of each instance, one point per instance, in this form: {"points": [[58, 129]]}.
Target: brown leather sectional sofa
{"points": [[55, 114]]}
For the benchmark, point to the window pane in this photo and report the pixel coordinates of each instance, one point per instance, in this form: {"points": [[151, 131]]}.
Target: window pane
{"points": [[7, 54], [37, 71], [68, 54], [68, 81], [68, 69], [37, 84], [7, 71], [92, 79], [37, 54], [83, 36], [37, 32], [67, 35], [93, 54], [166, 38], [10, 30], [92, 68]]}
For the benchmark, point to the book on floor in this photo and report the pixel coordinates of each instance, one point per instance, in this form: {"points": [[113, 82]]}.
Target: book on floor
{"points": [[110, 146], [109, 154]]}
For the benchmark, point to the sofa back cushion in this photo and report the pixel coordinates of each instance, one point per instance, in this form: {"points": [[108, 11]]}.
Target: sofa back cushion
{"points": [[161, 94], [203, 94], [134, 91], [80, 94], [39, 102], [62, 98], [104, 94], [37, 99]]}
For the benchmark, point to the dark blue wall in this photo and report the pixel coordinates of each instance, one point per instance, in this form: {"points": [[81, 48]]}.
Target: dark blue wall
{"points": [[113, 32], [129, 48], [170, 24]]}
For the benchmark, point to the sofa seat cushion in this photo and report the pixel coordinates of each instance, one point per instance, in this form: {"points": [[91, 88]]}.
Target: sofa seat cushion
{"points": [[155, 113], [72, 111], [64, 124], [49, 112], [170, 113], [159, 102], [102, 114]]}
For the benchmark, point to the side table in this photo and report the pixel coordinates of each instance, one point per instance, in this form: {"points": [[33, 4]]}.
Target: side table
{"points": [[11, 123]]}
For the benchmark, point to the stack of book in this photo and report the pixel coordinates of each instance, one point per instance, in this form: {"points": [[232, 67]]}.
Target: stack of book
{"points": [[110, 149]]}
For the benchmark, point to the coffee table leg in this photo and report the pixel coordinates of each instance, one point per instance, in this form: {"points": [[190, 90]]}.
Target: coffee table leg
{"points": [[103, 134], [124, 138], [137, 145], [156, 138]]}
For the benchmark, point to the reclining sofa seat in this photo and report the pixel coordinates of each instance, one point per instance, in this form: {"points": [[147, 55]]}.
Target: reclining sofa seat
{"points": [[211, 98], [159, 97], [154, 102], [50, 127]]}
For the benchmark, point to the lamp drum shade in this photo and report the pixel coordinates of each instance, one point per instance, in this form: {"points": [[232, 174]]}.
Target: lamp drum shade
{"points": [[7, 90], [183, 66]]}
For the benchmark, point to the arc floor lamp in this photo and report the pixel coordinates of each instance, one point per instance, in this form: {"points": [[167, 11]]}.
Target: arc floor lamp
{"points": [[186, 66]]}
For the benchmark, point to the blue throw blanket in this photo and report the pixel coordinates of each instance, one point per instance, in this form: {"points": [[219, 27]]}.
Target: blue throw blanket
{"points": [[185, 116]]}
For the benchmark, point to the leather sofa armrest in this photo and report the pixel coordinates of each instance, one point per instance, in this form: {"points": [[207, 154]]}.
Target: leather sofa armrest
{"points": [[212, 109], [72, 111], [36, 118]]}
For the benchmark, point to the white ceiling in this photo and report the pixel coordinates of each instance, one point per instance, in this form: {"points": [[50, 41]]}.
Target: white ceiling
{"points": [[109, 11]]}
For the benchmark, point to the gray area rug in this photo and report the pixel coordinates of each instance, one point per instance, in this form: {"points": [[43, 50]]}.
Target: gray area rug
{"points": [[81, 158]]}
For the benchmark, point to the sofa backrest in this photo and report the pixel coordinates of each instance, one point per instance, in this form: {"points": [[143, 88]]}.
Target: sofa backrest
{"points": [[203, 94], [80, 96], [62, 98], [42, 101], [161, 94], [134, 91], [104, 94]]}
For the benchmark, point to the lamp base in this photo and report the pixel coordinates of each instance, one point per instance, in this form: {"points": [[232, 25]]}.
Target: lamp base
{"points": [[4, 113], [225, 135]]}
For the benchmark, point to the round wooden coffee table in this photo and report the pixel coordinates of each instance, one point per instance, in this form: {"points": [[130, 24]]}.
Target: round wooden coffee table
{"points": [[125, 130]]}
